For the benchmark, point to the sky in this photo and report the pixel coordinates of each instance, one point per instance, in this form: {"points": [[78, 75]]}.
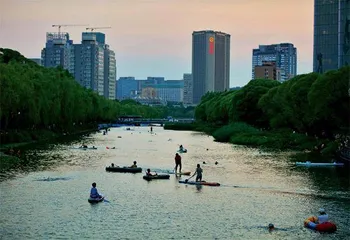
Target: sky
{"points": [[154, 37]]}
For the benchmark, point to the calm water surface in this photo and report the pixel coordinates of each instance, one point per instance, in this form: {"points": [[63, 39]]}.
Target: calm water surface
{"points": [[47, 198]]}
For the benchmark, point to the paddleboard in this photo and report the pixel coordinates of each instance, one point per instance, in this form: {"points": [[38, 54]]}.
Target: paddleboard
{"points": [[214, 184], [310, 164], [180, 174]]}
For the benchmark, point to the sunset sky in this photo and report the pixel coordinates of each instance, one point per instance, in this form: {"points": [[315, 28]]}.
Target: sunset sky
{"points": [[154, 37]]}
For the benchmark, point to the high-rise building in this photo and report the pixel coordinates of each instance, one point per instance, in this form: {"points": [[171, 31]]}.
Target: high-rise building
{"points": [[58, 51], [283, 54], [110, 73], [210, 63], [89, 63], [268, 70], [331, 35], [188, 88], [92, 62]]}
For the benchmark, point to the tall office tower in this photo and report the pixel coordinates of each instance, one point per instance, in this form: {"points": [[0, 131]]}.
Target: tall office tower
{"points": [[110, 73], [58, 51], [89, 62], [283, 54], [188, 88], [331, 35], [210, 63]]}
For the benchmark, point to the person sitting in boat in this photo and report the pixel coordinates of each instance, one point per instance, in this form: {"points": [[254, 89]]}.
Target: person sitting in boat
{"points": [[134, 165], [84, 146], [93, 192], [148, 173], [323, 217], [271, 227], [198, 172], [181, 148]]}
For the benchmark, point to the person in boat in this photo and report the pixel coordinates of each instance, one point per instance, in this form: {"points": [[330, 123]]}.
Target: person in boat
{"points": [[271, 227], [93, 192], [112, 165], [181, 148], [323, 217], [84, 146], [148, 173], [178, 162], [198, 172], [134, 165]]}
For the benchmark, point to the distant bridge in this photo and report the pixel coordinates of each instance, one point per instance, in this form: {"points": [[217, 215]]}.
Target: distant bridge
{"points": [[147, 121]]}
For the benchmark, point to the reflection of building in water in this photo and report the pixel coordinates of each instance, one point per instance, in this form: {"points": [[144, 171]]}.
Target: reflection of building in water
{"points": [[149, 92]]}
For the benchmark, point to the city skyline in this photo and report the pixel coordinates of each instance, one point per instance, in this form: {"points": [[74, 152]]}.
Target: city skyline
{"points": [[153, 38]]}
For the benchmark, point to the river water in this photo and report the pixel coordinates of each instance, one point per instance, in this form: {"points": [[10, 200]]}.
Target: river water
{"points": [[46, 198]]}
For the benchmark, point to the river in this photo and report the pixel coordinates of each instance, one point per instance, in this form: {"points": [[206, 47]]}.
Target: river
{"points": [[47, 197]]}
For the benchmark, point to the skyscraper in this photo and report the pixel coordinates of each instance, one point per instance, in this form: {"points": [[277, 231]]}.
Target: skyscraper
{"points": [[331, 34], [58, 51], [283, 54], [89, 63], [210, 62], [110, 73], [92, 63]]}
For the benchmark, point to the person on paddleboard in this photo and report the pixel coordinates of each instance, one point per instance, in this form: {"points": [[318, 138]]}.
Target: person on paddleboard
{"points": [[178, 162], [93, 192], [198, 172]]}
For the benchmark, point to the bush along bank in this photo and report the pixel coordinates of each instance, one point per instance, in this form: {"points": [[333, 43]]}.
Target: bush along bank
{"points": [[275, 140]]}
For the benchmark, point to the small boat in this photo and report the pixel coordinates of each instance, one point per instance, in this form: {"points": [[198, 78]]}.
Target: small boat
{"points": [[214, 184], [153, 177], [311, 223], [182, 150], [95, 200], [87, 148], [310, 164], [124, 169]]}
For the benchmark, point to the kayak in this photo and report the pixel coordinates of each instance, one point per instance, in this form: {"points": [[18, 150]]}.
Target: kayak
{"points": [[310, 164], [124, 169], [95, 200], [161, 176], [214, 184], [182, 151]]}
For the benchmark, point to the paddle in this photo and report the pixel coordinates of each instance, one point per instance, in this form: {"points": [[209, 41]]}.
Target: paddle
{"points": [[186, 180]]}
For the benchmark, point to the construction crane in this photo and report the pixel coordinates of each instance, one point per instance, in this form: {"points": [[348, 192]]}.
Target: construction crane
{"points": [[93, 28], [67, 25]]}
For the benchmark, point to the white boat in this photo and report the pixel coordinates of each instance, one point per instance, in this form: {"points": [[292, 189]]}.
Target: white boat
{"points": [[310, 164]]}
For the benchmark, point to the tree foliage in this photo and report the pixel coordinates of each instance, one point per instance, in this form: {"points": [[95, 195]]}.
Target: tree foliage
{"points": [[317, 104], [34, 97]]}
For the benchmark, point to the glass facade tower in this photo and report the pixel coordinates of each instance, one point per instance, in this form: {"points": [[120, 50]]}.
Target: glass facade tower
{"points": [[331, 34]]}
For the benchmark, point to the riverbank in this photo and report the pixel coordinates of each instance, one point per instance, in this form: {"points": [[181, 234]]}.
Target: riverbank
{"points": [[274, 140], [10, 153]]}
